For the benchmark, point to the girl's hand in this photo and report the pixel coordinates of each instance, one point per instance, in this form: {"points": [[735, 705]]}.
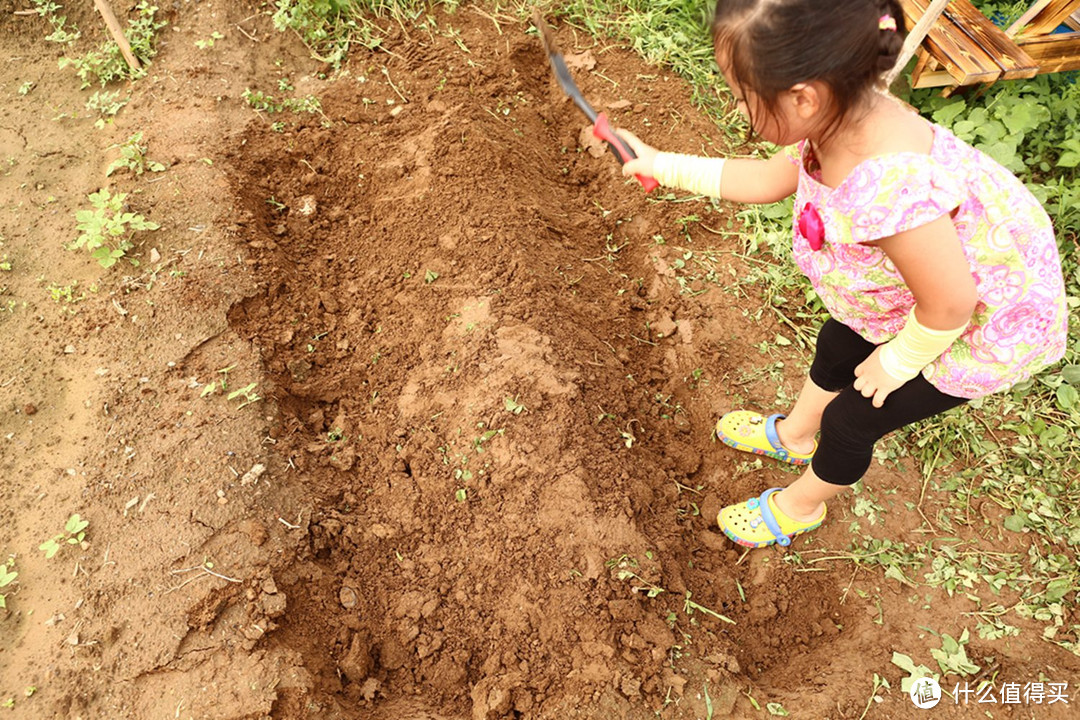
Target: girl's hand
{"points": [[646, 155], [873, 382]]}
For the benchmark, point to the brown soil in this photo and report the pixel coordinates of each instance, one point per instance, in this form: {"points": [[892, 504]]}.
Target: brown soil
{"points": [[479, 407]]}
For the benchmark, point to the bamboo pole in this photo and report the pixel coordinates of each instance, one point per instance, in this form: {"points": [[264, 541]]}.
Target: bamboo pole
{"points": [[118, 34], [915, 38]]}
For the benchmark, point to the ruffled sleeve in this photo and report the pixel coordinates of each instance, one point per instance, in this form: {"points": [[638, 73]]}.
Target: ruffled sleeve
{"points": [[891, 194]]}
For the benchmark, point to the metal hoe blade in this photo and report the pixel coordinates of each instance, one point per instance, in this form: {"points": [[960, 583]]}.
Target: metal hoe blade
{"points": [[562, 73]]}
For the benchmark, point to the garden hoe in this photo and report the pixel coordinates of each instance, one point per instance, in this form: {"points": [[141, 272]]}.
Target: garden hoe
{"points": [[601, 128]]}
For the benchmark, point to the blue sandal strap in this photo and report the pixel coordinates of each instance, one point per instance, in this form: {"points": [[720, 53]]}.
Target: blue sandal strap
{"points": [[770, 519], [773, 437]]}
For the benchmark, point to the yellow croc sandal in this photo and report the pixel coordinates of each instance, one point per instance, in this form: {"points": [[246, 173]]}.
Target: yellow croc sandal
{"points": [[752, 433], [759, 522]]}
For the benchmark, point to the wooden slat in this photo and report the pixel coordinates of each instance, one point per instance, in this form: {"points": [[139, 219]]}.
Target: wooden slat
{"points": [[933, 79], [1043, 17], [916, 34], [1054, 53], [927, 72], [964, 60], [1013, 61], [1073, 20]]}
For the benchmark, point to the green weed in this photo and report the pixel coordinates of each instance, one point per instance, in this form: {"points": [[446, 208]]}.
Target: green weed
{"points": [[133, 158], [209, 42], [247, 392], [107, 229], [74, 534], [879, 684], [106, 63], [62, 33], [330, 27], [952, 656], [914, 672], [65, 294], [262, 102], [689, 606], [106, 105]]}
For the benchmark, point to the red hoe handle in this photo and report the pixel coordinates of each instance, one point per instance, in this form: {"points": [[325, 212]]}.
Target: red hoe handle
{"points": [[602, 129]]}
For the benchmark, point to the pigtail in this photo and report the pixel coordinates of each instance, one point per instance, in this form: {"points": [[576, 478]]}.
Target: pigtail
{"points": [[891, 33]]}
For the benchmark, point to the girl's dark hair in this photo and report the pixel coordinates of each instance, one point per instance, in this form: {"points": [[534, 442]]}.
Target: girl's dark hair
{"points": [[771, 45]]}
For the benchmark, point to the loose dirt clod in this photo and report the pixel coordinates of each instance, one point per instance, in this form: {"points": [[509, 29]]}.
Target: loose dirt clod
{"points": [[252, 476], [348, 597]]}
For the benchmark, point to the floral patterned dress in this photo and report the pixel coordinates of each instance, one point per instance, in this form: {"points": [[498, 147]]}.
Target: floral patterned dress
{"points": [[1020, 322]]}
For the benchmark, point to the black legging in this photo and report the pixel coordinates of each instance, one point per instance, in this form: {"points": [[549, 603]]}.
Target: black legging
{"points": [[851, 424]]}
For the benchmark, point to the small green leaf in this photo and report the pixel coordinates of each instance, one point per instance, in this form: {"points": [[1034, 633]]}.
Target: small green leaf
{"points": [[50, 547], [1067, 397], [460, 495], [945, 115], [245, 391], [1058, 589], [76, 524], [1071, 374], [914, 671], [1069, 159], [1015, 523], [903, 662]]}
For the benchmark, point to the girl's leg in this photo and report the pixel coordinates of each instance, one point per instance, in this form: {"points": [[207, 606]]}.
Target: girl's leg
{"points": [[804, 500], [798, 431], [850, 426], [839, 350]]}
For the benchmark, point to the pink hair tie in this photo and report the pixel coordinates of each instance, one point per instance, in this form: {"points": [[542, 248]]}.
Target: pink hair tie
{"points": [[886, 22]]}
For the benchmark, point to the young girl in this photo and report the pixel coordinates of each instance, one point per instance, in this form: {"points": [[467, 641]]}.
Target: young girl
{"points": [[939, 268]]}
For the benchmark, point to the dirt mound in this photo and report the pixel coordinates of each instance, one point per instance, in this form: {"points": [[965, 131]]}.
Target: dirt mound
{"points": [[484, 391]]}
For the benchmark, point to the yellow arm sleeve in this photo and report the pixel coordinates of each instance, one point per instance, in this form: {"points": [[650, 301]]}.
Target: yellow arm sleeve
{"points": [[915, 347], [701, 175]]}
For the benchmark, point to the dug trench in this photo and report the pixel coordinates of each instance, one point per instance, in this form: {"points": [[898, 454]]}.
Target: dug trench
{"points": [[485, 379]]}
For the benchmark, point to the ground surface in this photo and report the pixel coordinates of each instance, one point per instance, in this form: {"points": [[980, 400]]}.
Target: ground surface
{"points": [[484, 402]]}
